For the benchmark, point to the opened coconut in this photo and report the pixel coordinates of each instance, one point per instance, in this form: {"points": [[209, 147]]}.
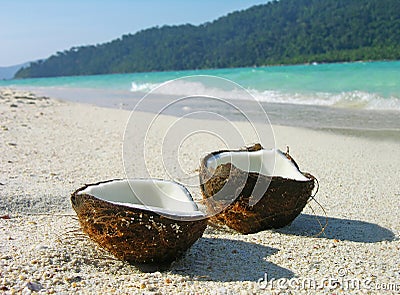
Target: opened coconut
{"points": [[254, 189], [140, 220]]}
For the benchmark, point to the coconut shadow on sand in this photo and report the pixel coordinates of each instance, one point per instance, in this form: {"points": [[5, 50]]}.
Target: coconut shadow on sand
{"points": [[337, 228], [226, 260]]}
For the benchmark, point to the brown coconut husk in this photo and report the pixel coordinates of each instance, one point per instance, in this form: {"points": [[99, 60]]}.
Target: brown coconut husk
{"points": [[281, 203], [132, 234]]}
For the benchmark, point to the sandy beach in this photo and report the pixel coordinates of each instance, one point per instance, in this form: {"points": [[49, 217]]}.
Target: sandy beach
{"points": [[49, 148]]}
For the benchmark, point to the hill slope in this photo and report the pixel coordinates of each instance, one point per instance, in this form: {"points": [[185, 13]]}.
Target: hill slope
{"points": [[285, 31], [9, 72]]}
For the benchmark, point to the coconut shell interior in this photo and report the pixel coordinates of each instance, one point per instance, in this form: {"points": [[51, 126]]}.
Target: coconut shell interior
{"points": [[134, 234], [227, 191]]}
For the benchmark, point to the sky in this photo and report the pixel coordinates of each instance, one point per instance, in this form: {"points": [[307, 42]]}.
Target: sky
{"points": [[35, 29]]}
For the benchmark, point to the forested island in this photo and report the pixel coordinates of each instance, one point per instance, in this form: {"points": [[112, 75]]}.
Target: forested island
{"points": [[279, 32]]}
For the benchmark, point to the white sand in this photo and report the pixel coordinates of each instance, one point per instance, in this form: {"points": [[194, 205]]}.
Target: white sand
{"points": [[50, 148]]}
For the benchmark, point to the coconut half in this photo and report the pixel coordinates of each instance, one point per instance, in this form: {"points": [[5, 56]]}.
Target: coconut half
{"points": [[254, 189], [140, 220]]}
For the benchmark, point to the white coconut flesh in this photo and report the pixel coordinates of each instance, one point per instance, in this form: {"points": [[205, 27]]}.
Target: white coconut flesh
{"points": [[161, 196], [266, 162]]}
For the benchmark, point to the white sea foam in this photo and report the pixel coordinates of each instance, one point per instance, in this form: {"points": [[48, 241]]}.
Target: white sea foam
{"points": [[143, 87], [189, 88], [350, 99]]}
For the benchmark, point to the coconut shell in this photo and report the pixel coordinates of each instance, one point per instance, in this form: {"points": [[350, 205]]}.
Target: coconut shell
{"points": [[132, 234], [279, 205]]}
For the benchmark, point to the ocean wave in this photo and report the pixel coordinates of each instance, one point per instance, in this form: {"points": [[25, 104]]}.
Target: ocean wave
{"points": [[143, 87], [364, 100], [349, 99]]}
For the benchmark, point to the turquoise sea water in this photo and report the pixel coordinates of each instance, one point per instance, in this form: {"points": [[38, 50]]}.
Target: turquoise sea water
{"points": [[351, 89]]}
